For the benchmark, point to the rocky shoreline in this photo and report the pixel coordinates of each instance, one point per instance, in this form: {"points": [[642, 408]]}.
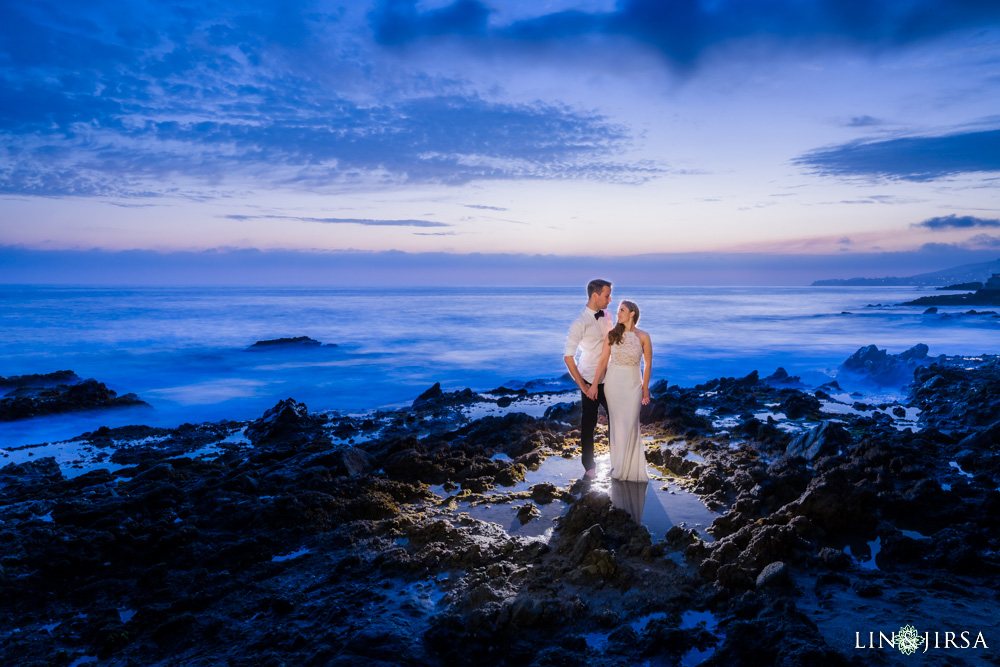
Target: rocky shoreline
{"points": [[328, 539], [28, 396]]}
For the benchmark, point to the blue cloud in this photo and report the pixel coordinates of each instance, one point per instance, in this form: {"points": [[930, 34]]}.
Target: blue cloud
{"points": [[956, 222], [398, 21], [110, 100], [909, 158], [683, 30], [863, 121], [983, 241], [342, 221]]}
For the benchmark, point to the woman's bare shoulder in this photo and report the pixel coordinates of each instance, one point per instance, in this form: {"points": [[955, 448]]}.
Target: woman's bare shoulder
{"points": [[642, 334]]}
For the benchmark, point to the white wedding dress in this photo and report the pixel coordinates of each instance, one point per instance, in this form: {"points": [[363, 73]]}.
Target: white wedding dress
{"points": [[623, 389]]}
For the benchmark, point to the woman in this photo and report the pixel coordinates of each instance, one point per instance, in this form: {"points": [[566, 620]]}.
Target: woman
{"points": [[626, 390]]}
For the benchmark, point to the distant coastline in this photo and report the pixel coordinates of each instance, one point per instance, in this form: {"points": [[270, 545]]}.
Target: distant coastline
{"points": [[966, 273]]}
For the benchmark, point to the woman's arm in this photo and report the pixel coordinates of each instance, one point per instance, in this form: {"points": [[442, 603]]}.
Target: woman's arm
{"points": [[647, 357], [602, 365]]}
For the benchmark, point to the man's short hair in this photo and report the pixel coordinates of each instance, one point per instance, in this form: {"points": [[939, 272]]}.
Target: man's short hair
{"points": [[596, 285]]}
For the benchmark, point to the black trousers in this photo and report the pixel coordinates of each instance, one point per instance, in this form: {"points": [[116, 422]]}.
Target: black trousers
{"points": [[587, 424]]}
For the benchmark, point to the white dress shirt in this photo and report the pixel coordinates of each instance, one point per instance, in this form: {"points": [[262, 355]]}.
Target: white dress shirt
{"points": [[587, 335]]}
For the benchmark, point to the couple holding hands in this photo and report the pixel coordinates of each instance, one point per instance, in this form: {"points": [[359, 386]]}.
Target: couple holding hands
{"points": [[608, 374]]}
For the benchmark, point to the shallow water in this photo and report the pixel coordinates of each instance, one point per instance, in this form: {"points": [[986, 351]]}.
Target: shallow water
{"points": [[184, 350], [659, 504]]}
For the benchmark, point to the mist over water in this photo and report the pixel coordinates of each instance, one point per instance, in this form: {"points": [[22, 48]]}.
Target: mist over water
{"points": [[184, 350]]}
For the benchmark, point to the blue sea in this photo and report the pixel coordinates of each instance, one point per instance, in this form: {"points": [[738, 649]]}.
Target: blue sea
{"points": [[184, 349]]}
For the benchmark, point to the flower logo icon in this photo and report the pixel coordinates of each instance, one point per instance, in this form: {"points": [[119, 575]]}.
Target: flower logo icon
{"points": [[908, 640]]}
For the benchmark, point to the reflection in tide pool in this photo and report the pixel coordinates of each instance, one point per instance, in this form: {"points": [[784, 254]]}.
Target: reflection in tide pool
{"points": [[661, 508], [656, 505]]}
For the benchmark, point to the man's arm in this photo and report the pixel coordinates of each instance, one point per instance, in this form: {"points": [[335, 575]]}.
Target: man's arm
{"points": [[569, 353], [575, 373]]}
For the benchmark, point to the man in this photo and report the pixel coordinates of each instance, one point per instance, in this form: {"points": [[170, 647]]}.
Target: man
{"points": [[587, 333]]}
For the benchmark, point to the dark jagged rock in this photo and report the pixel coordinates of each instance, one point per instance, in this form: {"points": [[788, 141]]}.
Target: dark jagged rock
{"points": [[291, 549], [39, 380], [781, 378], [798, 404], [564, 412], [436, 399], [296, 343], [986, 294], [824, 437], [40, 397], [773, 633], [883, 368], [288, 422]]}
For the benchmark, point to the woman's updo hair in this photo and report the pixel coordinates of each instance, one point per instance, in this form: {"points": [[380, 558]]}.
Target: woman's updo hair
{"points": [[618, 331]]}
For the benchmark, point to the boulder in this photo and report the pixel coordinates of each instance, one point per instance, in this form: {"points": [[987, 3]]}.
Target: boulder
{"points": [[773, 575], [33, 400], [287, 422], [296, 343], [882, 368], [826, 436]]}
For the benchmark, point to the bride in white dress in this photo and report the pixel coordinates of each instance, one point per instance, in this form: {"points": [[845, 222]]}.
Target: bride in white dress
{"points": [[626, 390]]}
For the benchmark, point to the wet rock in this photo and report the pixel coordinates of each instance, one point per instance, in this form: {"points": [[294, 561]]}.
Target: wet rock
{"points": [[287, 423], [883, 368], [833, 504], [774, 575], [34, 399], [544, 492], [564, 412], [44, 469], [527, 512], [346, 461], [429, 395], [601, 563], [734, 578], [623, 638], [678, 536], [673, 416], [674, 462], [826, 437], [296, 343], [39, 380], [800, 404], [781, 378], [589, 540], [775, 634], [436, 399], [350, 541], [527, 611], [771, 543], [727, 524]]}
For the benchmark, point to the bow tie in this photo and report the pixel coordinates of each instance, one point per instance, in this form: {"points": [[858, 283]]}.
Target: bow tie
{"points": [[599, 314]]}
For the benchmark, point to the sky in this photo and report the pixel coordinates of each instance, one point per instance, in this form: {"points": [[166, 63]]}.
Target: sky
{"points": [[767, 141]]}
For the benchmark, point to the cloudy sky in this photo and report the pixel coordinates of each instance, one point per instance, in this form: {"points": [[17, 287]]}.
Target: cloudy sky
{"points": [[858, 132]]}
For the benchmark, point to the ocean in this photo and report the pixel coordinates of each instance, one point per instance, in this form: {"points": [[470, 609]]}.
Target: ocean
{"points": [[184, 350]]}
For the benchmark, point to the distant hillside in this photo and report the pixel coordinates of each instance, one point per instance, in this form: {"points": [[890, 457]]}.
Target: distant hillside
{"points": [[967, 273]]}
